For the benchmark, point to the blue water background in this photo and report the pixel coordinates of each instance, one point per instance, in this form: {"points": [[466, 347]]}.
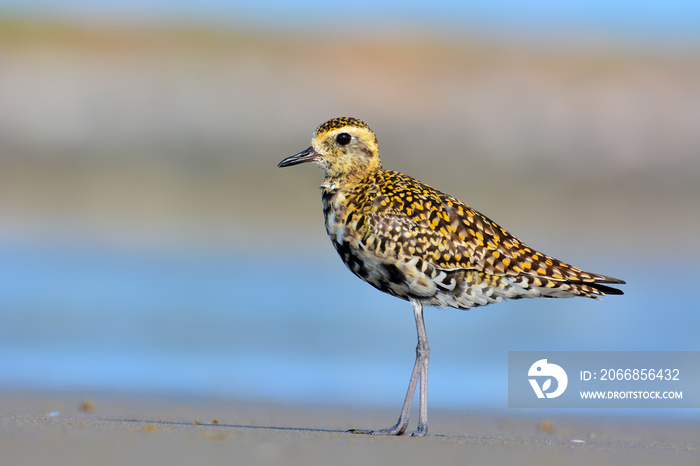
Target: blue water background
{"points": [[297, 327]]}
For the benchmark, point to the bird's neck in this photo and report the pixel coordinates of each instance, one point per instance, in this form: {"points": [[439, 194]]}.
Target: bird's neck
{"points": [[349, 181]]}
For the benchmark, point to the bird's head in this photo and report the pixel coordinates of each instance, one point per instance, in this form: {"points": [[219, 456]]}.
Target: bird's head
{"points": [[341, 147]]}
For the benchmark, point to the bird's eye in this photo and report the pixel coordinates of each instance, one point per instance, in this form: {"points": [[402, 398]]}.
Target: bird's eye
{"points": [[343, 139]]}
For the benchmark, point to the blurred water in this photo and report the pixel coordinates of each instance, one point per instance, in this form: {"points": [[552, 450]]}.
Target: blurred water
{"points": [[294, 328]]}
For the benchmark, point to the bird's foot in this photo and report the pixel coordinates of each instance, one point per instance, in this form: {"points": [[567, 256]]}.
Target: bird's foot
{"points": [[421, 431], [396, 430]]}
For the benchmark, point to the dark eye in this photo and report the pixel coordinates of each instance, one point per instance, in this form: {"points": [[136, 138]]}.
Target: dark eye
{"points": [[343, 139]]}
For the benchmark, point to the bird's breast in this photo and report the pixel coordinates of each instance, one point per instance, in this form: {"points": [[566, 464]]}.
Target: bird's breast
{"points": [[335, 214], [375, 260]]}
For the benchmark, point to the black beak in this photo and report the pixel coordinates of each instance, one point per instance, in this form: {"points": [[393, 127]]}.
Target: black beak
{"points": [[307, 155]]}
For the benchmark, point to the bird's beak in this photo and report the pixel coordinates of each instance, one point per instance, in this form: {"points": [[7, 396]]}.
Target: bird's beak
{"points": [[307, 155]]}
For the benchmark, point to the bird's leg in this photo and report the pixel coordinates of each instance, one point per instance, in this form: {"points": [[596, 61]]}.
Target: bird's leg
{"points": [[422, 354], [420, 371]]}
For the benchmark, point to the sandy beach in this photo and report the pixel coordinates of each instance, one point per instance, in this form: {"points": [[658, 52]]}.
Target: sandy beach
{"points": [[62, 428]]}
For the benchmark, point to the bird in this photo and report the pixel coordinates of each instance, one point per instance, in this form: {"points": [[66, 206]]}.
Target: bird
{"points": [[419, 244]]}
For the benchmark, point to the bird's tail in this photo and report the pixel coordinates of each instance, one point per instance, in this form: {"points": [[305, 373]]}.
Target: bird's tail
{"points": [[595, 285]]}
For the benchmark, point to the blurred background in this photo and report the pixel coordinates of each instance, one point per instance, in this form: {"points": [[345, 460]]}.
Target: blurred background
{"points": [[148, 243]]}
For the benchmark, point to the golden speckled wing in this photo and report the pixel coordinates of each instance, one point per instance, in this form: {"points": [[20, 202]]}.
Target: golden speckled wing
{"points": [[418, 220]]}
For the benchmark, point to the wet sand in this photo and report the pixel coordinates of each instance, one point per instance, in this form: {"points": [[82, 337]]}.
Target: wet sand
{"points": [[76, 429]]}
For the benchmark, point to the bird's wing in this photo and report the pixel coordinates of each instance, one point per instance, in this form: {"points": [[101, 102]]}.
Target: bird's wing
{"points": [[418, 220]]}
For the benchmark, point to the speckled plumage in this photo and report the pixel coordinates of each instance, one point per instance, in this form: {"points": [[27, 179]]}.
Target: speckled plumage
{"points": [[410, 240], [419, 244], [413, 241]]}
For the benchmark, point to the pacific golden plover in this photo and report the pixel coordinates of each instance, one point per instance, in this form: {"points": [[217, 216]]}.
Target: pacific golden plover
{"points": [[419, 244]]}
